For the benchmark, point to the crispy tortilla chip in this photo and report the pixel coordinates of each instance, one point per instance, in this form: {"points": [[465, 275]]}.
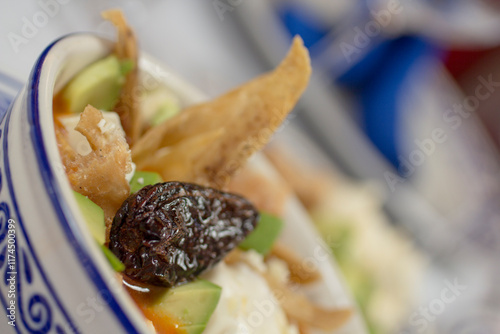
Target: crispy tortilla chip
{"points": [[175, 157], [266, 193], [249, 115], [299, 272], [100, 175], [301, 310], [233, 256], [65, 150], [309, 184], [303, 328], [126, 49]]}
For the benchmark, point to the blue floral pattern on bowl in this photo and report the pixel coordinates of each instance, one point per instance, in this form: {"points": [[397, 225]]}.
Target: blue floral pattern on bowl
{"points": [[27, 296], [50, 272]]}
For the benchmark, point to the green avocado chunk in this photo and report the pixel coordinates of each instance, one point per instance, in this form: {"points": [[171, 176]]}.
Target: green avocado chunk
{"points": [[142, 179], [166, 111], [264, 235], [191, 304], [98, 84], [94, 216], [115, 262]]}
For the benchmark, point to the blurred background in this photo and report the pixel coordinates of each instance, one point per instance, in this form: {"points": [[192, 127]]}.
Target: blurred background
{"points": [[401, 117]]}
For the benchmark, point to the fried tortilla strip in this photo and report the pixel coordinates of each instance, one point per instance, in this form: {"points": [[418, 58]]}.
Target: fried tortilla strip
{"points": [[65, 150], [309, 184], [299, 272], [249, 115], [175, 158], [99, 175], [234, 256], [303, 328], [126, 48], [266, 193], [301, 310]]}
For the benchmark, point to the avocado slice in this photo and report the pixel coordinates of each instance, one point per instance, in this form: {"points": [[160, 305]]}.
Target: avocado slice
{"points": [[190, 305], [98, 84], [166, 111], [142, 179], [115, 262], [159, 105], [264, 235], [94, 216]]}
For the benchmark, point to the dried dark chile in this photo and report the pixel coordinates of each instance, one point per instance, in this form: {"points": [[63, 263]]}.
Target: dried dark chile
{"points": [[168, 233]]}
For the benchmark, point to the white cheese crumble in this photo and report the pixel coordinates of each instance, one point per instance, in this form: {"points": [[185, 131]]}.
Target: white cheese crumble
{"points": [[247, 304]]}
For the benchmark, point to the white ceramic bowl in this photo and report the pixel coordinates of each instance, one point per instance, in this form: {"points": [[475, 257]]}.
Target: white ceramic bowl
{"points": [[63, 284]]}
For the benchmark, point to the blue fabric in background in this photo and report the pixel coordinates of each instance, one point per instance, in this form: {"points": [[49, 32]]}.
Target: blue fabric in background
{"points": [[298, 21], [377, 80]]}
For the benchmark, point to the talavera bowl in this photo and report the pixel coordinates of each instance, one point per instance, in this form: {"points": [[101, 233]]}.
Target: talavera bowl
{"points": [[61, 283]]}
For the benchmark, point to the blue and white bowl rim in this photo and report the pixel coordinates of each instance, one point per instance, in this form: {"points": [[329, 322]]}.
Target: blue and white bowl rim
{"points": [[64, 213]]}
